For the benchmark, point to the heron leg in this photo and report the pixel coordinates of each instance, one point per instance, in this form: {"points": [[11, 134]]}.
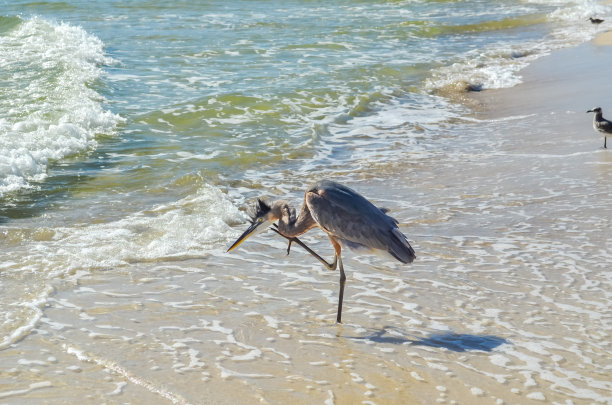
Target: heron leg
{"points": [[341, 294], [605, 140], [329, 266], [338, 259]]}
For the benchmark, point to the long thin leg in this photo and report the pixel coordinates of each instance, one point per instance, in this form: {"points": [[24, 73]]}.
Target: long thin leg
{"points": [[329, 266], [605, 140], [338, 250], [341, 295]]}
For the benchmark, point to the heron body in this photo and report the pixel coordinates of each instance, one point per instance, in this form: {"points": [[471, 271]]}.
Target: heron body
{"points": [[347, 218], [600, 124]]}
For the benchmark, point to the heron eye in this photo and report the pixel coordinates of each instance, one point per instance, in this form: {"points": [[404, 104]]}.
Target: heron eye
{"points": [[260, 220]]}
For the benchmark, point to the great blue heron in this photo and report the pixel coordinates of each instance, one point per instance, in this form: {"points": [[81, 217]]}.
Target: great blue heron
{"points": [[601, 125], [345, 215]]}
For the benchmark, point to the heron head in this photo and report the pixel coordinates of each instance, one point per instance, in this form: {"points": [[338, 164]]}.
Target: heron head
{"points": [[261, 216], [595, 110]]}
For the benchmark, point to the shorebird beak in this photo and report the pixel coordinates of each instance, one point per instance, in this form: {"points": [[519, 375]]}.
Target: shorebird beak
{"points": [[590, 111], [256, 227]]}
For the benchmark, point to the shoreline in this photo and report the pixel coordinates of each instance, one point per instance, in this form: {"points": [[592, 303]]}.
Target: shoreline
{"points": [[567, 80], [506, 303]]}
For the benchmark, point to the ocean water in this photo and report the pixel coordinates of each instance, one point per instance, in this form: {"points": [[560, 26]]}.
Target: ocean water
{"points": [[135, 134]]}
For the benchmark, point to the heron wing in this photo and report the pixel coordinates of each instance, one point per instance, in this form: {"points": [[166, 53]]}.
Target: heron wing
{"points": [[347, 215]]}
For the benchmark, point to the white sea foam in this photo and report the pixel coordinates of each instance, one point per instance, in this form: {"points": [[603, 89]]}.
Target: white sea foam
{"points": [[188, 227], [31, 387], [34, 314], [227, 373], [50, 110], [499, 66], [468, 286], [112, 366]]}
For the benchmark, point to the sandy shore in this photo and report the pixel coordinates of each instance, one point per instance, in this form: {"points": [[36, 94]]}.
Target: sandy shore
{"points": [[566, 82], [507, 303]]}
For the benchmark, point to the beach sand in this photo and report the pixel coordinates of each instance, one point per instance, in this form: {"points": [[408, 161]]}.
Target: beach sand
{"points": [[567, 81], [508, 301]]}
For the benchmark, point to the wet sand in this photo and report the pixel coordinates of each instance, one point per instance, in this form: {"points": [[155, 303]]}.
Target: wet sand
{"points": [[567, 81], [508, 301]]}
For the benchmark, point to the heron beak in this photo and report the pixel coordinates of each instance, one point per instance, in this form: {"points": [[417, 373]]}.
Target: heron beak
{"points": [[248, 233]]}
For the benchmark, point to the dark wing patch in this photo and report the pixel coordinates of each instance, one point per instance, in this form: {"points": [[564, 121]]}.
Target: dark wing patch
{"points": [[605, 125]]}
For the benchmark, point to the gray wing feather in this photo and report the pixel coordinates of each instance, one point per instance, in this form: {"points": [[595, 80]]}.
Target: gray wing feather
{"points": [[347, 215]]}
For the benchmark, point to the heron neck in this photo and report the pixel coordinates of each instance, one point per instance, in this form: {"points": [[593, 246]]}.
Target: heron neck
{"points": [[292, 227]]}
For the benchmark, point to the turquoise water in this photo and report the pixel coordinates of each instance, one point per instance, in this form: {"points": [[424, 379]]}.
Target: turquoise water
{"points": [[126, 97], [134, 134]]}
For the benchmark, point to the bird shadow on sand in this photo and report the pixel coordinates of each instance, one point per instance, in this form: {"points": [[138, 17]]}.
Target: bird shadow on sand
{"points": [[456, 342]]}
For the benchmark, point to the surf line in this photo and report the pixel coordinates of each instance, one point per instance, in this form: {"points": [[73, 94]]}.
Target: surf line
{"points": [[79, 354]]}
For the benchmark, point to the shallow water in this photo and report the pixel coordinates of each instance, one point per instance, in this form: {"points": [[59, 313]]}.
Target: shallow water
{"points": [[508, 301], [129, 171]]}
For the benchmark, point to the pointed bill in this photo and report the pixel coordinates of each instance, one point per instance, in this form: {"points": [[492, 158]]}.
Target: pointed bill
{"points": [[255, 228], [245, 235]]}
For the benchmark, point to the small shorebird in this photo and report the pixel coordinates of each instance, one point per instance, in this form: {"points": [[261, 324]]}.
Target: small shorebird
{"points": [[596, 20], [601, 125], [344, 215]]}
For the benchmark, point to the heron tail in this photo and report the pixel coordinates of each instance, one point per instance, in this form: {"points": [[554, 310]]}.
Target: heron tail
{"points": [[400, 248]]}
